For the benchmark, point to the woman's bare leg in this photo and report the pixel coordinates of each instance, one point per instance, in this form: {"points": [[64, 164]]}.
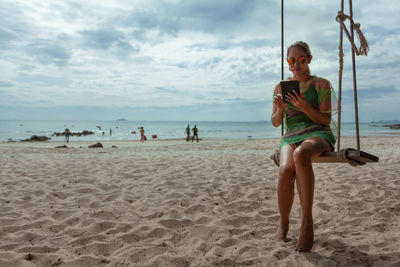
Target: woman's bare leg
{"points": [[302, 156], [285, 189]]}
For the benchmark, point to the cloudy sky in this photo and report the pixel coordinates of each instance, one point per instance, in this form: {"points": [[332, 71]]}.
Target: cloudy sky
{"points": [[183, 59]]}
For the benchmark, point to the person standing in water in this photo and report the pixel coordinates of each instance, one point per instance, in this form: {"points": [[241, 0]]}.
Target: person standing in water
{"points": [[187, 133], [142, 137], [67, 133], [195, 135]]}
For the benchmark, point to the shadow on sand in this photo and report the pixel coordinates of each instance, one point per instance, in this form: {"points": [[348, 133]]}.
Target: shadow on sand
{"points": [[345, 255]]}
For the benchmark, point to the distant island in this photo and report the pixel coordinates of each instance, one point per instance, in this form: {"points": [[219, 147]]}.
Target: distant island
{"points": [[392, 124], [122, 119], [385, 122]]}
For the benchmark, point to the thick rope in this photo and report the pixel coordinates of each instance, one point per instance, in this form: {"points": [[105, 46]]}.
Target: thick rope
{"points": [[363, 50], [353, 60], [282, 56], [275, 158], [339, 104]]}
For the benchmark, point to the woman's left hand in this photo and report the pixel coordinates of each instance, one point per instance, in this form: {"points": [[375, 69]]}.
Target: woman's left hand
{"points": [[297, 100]]}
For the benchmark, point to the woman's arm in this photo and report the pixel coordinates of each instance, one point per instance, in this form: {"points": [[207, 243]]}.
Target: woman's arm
{"points": [[316, 116], [277, 111], [299, 101], [278, 107]]}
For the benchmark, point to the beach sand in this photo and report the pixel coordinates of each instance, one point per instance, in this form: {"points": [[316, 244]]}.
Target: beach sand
{"points": [[172, 203]]}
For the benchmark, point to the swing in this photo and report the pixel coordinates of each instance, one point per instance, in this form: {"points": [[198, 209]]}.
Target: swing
{"points": [[355, 157]]}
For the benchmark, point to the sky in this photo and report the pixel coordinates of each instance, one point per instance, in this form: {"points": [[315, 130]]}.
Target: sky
{"points": [[204, 60]]}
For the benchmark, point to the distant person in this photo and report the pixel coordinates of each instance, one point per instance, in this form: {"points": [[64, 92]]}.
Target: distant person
{"points": [[195, 135], [142, 137], [102, 133], [188, 133], [110, 132], [67, 133]]}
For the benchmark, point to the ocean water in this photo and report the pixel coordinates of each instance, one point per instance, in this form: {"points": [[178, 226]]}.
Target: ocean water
{"points": [[124, 130]]}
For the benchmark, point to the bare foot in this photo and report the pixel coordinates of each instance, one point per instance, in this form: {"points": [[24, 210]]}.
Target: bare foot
{"points": [[306, 239], [282, 233]]}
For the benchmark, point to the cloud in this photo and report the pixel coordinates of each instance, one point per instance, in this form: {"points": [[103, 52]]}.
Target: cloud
{"points": [[173, 54], [101, 38], [211, 16], [5, 84], [49, 51]]}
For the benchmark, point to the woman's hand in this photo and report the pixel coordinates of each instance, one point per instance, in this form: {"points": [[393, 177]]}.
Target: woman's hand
{"points": [[297, 100], [278, 101]]}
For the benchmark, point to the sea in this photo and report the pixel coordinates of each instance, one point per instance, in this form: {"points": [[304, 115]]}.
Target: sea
{"points": [[17, 130]]}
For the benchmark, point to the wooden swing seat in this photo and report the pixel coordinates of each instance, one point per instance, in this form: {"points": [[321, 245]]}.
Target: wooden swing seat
{"points": [[352, 156]]}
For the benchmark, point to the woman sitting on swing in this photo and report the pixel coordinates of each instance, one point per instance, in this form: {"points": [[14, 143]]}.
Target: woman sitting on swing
{"points": [[307, 135]]}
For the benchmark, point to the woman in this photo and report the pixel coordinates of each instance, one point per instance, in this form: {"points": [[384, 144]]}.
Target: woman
{"points": [[187, 133], [142, 136], [307, 119]]}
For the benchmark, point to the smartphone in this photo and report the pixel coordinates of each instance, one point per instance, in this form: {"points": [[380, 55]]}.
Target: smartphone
{"points": [[288, 87]]}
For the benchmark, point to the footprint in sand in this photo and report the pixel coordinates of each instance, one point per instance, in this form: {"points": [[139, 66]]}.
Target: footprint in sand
{"points": [[175, 223]]}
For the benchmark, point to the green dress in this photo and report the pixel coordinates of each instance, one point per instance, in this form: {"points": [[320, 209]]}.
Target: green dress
{"points": [[298, 126]]}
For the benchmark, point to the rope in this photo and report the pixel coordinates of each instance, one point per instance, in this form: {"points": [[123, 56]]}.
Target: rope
{"points": [[353, 60], [339, 104], [363, 50], [275, 158], [282, 57], [343, 154]]}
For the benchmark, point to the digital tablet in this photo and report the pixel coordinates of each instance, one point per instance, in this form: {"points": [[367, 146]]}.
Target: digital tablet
{"points": [[289, 87]]}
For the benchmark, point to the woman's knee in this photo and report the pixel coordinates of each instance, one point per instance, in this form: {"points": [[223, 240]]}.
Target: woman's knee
{"points": [[302, 156], [286, 173]]}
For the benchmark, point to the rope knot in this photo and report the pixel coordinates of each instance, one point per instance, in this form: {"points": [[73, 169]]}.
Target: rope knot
{"points": [[356, 26], [340, 16], [363, 49]]}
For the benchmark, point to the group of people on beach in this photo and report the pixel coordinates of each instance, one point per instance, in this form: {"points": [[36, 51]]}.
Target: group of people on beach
{"points": [[67, 133], [195, 133]]}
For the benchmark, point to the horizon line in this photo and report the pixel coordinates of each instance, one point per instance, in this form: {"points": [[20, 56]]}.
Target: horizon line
{"points": [[127, 120]]}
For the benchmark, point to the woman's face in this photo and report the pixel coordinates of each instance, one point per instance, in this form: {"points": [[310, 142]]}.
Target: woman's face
{"points": [[297, 55]]}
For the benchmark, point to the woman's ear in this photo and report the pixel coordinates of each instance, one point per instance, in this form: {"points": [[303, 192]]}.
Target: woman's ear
{"points": [[309, 59]]}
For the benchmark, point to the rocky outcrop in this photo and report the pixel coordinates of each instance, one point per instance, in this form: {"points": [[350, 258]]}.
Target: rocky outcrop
{"points": [[36, 138], [97, 145], [393, 126], [63, 146], [74, 133]]}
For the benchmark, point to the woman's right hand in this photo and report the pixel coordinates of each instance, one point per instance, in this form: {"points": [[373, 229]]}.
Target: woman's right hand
{"points": [[278, 102]]}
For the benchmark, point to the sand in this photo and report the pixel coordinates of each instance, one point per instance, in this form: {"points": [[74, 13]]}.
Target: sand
{"points": [[172, 203]]}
